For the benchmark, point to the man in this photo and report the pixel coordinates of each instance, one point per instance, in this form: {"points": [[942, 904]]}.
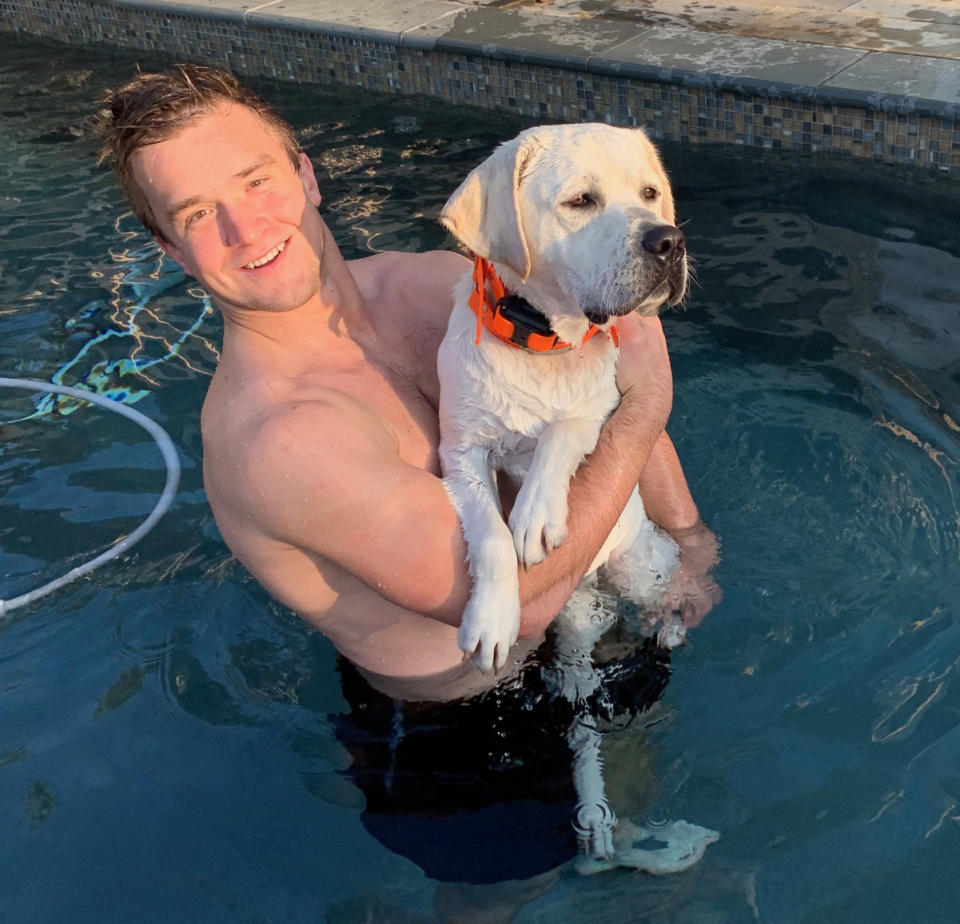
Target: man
{"points": [[320, 425]]}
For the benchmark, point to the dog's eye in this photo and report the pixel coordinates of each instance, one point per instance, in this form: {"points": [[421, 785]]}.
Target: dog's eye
{"points": [[650, 193], [582, 201]]}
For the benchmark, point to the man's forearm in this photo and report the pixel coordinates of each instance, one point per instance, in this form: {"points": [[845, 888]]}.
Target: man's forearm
{"points": [[598, 493], [663, 487]]}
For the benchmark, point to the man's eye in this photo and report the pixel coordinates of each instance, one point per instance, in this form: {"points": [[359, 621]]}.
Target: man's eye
{"points": [[196, 216], [581, 201], [259, 181]]}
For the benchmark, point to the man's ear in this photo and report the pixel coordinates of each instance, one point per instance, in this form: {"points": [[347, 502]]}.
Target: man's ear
{"points": [[309, 180], [484, 211], [172, 252]]}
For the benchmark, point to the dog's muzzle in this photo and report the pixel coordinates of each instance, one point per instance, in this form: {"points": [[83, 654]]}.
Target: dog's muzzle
{"points": [[666, 246], [663, 251]]}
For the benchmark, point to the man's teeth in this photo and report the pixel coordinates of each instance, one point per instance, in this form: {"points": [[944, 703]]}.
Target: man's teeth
{"points": [[267, 257]]}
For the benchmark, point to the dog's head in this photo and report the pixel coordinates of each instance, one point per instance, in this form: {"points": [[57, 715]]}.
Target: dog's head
{"points": [[579, 219]]}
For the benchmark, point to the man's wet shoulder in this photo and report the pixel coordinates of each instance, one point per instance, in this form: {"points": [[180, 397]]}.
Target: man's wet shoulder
{"points": [[396, 277]]}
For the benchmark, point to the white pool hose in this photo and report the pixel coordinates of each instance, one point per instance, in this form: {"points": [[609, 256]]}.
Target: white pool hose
{"points": [[164, 444]]}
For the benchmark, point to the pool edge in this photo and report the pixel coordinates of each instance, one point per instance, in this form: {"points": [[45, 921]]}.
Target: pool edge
{"points": [[597, 74]]}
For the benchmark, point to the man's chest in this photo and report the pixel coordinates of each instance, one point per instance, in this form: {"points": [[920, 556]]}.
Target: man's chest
{"points": [[397, 379], [394, 397]]}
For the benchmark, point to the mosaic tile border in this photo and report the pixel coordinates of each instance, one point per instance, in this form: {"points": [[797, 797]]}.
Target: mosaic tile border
{"points": [[678, 112]]}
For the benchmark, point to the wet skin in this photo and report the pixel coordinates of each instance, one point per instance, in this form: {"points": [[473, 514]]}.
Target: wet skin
{"points": [[320, 427]]}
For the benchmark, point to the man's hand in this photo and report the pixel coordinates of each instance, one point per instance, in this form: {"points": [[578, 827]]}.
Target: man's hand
{"points": [[692, 591]]}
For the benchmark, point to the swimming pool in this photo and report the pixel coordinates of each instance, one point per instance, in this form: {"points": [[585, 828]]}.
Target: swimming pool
{"points": [[166, 741]]}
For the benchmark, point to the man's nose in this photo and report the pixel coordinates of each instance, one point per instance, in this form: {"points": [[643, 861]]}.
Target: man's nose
{"points": [[239, 223], [666, 242]]}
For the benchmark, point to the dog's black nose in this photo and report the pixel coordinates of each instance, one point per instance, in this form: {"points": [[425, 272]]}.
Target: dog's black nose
{"points": [[665, 242]]}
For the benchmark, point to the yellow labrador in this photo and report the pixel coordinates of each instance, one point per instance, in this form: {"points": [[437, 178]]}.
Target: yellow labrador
{"points": [[573, 226]]}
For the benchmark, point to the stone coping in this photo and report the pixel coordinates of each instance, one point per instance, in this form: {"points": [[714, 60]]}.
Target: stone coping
{"points": [[833, 74]]}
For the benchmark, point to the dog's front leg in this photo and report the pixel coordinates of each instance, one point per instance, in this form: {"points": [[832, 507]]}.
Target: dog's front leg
{"points": [[491, 620], [538, 520], [585, 618], [594, 820]]}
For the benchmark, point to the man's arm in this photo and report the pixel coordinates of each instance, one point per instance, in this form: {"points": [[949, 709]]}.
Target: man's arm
{"points": [[663, 487], [322, 477], [598, 493], [667, 501]]}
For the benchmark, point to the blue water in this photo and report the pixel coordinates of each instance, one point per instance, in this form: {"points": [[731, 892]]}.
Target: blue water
{"points": [[166, 748]]}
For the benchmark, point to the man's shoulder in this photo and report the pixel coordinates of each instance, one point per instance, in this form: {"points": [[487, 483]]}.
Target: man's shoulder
{"points": [[425, 278], [308, 456], [323, 428], [390, 264], [318, 434]]}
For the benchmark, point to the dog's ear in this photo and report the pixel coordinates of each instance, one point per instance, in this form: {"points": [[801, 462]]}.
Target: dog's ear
{"points": [[484, 211], [667, 209]]}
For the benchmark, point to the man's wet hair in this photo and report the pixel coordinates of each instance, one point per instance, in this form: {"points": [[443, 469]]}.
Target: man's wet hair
{"points": [[151, 108]]}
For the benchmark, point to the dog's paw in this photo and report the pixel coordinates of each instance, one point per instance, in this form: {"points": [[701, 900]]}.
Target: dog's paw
{"points": [[660, 850], [538, 522], [594, 824], [488, 630]]}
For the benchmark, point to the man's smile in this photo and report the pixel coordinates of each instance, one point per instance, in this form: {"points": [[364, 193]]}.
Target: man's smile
{"points": [[268, 257]]}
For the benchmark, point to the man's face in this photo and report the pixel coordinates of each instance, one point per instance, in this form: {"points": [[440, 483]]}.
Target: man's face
{"points": [[234, 212]]}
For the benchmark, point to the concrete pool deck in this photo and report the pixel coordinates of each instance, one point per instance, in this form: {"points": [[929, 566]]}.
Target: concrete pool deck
{"points": [[845, 50], [863, 78]]}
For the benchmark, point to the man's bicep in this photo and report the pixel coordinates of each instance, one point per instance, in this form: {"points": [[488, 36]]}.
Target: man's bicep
{"points": [[388, 523], [401, 538]]}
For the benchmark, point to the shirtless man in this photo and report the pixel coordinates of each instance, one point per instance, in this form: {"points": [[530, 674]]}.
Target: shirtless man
{"points": [[320, 425]]}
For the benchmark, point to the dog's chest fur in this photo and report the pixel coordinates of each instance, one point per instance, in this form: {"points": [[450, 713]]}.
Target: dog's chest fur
{"points": [[501, 395]]}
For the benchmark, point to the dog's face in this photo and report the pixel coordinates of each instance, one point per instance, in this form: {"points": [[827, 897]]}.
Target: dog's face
{"points": [[583, 216]]}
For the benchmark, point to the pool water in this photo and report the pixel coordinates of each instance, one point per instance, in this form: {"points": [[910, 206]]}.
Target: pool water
{"points": [[166, 742]]}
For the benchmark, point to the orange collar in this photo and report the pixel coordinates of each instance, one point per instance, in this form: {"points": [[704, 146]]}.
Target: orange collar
{"points": [[512, 319]]}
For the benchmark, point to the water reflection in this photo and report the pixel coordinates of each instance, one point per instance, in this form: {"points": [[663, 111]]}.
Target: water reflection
{"points": [[174, 720]]}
